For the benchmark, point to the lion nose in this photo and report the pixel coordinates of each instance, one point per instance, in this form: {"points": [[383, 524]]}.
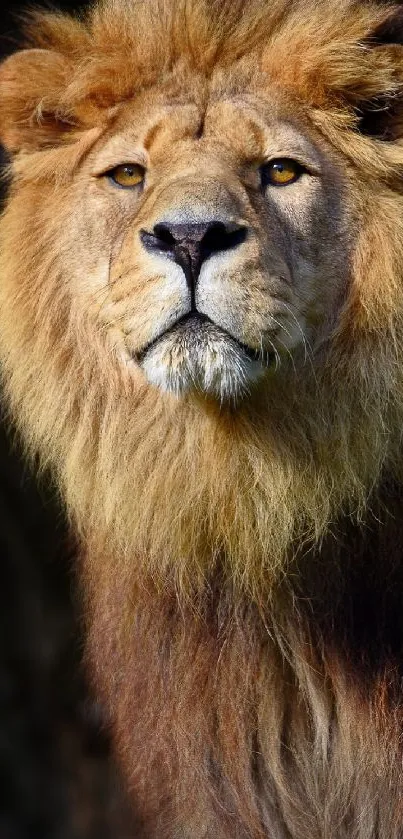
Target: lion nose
{"points": [[189, 245]]}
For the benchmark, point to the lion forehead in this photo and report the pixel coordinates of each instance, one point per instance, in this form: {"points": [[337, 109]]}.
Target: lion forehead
{"points": [[243, 128]]}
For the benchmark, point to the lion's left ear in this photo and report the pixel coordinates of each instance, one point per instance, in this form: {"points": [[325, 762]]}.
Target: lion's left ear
{"points": [[381, 113], [390, 31], [32, 83]]}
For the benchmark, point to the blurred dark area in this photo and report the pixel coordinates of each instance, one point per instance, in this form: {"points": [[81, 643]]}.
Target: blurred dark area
{"points": [[57, 778]]}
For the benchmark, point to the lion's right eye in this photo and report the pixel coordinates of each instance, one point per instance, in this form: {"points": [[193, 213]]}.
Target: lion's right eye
{"points": [[127, 175]]}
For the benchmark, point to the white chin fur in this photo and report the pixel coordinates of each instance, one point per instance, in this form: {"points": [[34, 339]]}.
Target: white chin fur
{"points": [[204, 360]]}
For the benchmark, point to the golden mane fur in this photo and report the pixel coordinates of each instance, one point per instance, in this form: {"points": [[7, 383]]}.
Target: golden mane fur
{"points": [[206, 529]]}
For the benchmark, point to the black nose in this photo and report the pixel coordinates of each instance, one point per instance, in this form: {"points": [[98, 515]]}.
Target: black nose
{"points": [[191, 244]]}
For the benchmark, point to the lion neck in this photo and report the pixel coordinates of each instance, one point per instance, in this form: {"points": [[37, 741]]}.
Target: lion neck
{"points": [[182, 489]]}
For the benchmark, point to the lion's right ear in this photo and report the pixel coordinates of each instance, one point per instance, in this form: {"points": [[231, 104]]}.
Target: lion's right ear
{"points": [[32, 83]]}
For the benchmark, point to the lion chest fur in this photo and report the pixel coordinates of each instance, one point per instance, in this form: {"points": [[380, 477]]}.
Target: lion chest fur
{"points": [[201, 332]]}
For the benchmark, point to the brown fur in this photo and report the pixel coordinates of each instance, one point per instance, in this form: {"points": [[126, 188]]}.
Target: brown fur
{"points": [[241, 561]]}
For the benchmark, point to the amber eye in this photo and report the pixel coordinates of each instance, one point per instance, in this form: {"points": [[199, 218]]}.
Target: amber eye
{"points": [[127, 175], [281, 171]]}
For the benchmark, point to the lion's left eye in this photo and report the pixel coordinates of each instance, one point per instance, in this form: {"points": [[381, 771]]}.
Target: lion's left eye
{"points": [[281, 171], [127, 175]]}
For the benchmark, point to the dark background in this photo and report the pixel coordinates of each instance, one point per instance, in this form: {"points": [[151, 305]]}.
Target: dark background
{"points": [[57, 780]]}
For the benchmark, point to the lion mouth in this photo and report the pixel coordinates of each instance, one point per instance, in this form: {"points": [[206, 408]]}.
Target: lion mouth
{"points": [[193, 324], [195, 354]]}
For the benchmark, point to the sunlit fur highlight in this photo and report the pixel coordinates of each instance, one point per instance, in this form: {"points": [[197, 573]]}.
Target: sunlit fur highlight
{"points": [[234, 715]]}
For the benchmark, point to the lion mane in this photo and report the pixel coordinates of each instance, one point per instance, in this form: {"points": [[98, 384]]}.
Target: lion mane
{"points": [[240, 559]]}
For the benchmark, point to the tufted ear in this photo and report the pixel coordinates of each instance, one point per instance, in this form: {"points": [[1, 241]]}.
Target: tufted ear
{"points": [[390, 31], [381, 114], [32, 83]]}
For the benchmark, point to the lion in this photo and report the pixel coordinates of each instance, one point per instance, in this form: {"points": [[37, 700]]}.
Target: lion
{"points": [[201, 336]]}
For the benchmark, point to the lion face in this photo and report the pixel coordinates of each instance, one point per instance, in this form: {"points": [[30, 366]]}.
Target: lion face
{"points": [[212, 208], [213, 264]]}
